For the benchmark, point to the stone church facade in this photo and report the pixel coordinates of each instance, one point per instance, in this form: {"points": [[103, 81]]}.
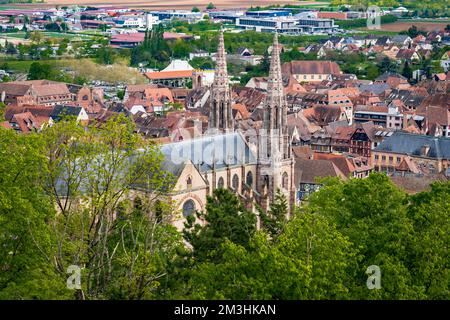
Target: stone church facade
{"points": [[225, 157]]}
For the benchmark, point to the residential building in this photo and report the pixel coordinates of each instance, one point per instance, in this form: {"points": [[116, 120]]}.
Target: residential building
{"points": [[311, 71], [429, 154], [176, 75], [41, 92], [308, 174]]}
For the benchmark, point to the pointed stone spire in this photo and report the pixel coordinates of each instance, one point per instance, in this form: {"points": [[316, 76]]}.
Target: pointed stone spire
{"points": [[275, 109], [220, 113], [221, 73], [275, 84], [275, 168]]}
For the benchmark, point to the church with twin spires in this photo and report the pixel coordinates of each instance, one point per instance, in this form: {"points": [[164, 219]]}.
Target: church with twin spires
{"points": [[254, 163]]}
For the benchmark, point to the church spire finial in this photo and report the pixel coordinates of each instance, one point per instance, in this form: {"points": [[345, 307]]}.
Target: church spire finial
{"points": [[221, 73], [275, 108], [275, 84], [220, 114]]}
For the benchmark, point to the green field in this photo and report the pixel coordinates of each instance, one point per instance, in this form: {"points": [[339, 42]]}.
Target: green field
{"points": [[24, 65], [71, 36]]}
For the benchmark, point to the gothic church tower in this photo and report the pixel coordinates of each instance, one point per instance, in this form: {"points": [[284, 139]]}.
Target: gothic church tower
{"points": [[220, 113], [275, 161]]}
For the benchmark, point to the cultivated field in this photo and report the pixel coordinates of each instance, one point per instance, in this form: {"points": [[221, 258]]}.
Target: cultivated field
{"points": [[402, 26], [177, 4]]}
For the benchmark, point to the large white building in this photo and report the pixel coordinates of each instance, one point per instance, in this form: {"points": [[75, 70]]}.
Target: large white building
{"points": [[287, 25], [130, 22]]}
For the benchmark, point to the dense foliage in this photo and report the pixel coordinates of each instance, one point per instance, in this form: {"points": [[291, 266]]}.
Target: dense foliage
{"points": [[361, 23], [65, 199]]}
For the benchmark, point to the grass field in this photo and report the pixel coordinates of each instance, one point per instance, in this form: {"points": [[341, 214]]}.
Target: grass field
{"points": [[24, 65], [71, 36]]}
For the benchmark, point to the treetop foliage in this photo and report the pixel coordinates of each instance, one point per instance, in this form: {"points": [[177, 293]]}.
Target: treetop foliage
{"points": [[78, 196]]}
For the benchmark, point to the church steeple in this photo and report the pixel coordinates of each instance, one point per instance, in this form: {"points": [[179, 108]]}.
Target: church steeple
{"points": [[221, 73], [275, 109], [220, 114], [275, 169], [275, 84]]}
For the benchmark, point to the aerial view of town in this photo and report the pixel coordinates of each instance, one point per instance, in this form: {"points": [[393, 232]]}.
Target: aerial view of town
{"points": [[224, 150]]}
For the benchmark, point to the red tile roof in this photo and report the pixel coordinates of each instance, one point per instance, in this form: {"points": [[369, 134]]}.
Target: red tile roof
{"points": [[311, 67], [242, 110], [5, 124], [169, 74]]}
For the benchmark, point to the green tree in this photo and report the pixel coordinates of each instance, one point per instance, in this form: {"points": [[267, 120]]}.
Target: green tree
{"points": [[154, 50], [25, 238], [210, 6], [195, 9], [225, 217], [275, 219], [371, 212], [387, 65], [36, 37], [407, 71], [39, 71], [310, 260], [265, 62], [62, 48], [180, 49], [204, 63], [120, 94], [429, 254], [105, 55], [89, 174], [372, 72], [10, 48]]}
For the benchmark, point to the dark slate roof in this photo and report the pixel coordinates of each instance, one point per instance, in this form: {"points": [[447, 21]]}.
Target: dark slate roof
{"points": [[376, 88], [399, 38], [385, 76], [382, 41], [64, 111], [207, 152], [74, 88], [241, 50], [408, 97], [411, 144]]}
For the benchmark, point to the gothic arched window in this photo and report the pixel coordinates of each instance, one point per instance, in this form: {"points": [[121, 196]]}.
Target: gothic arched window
{"points": [[249, 178], [188, 208], [220, 183], [235, 182], [189, 182], [285, 181], [277, 117], [266, 181], [213, 114], [221, 114]]}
